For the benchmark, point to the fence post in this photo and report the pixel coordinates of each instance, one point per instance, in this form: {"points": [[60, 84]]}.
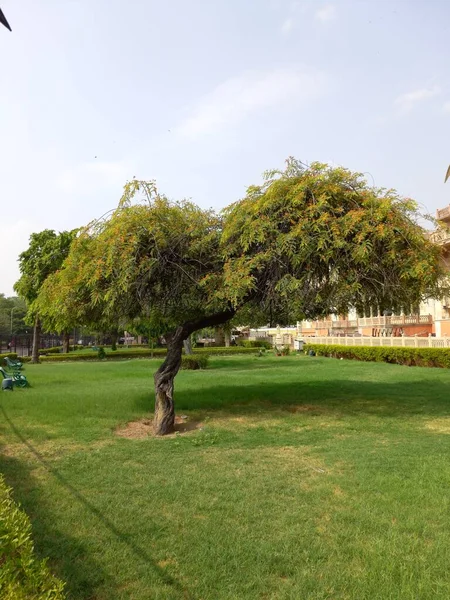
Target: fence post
{"points": [[430, 341], [403, 339], [416, 342]]}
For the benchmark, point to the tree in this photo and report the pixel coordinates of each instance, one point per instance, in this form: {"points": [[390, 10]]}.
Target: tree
{"points": [[45, 255], [12, 313], [314, 241], [306, 243]]}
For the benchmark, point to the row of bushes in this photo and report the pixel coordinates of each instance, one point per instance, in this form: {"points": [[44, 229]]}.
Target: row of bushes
{"points": [[57, 349], [142, 353], [255, 344], [22, 575], [12, 355], [412, 357]]}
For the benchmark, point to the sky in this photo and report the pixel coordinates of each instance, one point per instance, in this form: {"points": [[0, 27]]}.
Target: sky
{"points": [[203, 96]]}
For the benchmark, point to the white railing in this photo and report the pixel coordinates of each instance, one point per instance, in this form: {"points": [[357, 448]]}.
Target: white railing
{"points": [[406, 342]]}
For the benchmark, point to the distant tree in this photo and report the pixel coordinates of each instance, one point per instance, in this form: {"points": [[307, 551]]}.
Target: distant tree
{"points": [[12, 313], [307, 242], [45, 255]]}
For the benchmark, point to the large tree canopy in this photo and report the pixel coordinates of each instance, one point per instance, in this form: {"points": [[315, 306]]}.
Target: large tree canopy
{"points": [[307, 242], [318, 240]]}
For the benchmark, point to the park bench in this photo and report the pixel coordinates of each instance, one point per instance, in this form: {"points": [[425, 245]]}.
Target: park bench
{"points": [[15, 365], [12, 379]]}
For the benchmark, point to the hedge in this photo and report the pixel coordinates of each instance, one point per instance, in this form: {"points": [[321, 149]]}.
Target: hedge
{"points": [[412, 357], [22, 575], [12, 355], [141, 353], [255, 344]]}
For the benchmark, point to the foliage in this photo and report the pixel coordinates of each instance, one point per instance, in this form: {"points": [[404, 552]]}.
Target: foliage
{"points": [[22, 575], [138, 353], [58, 349], [12, 313], [146, 260], [101, 354], [313, 241], [45, 255], [412, 357], [254, 344], [194, 362]]}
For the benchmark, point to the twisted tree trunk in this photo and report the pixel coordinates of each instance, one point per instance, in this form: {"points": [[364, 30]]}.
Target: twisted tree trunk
{"points": [[164, 420]]}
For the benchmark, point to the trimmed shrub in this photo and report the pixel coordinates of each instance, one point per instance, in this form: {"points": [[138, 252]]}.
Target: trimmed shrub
{"points": [[412, 357], [22, 575], [192, 361], [255, 344], [12, 355]]}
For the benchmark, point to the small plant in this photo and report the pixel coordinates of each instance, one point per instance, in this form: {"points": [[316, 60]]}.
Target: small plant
{"points": [[205, 438], [285, 350], [101, 353]]}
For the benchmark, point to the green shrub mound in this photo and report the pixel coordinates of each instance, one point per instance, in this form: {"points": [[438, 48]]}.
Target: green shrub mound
{"points": [[22, 575], [255, 344], [412, 357], [193, 361]]}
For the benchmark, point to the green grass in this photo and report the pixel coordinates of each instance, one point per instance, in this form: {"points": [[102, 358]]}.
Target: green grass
{"points": [[311, 478]]}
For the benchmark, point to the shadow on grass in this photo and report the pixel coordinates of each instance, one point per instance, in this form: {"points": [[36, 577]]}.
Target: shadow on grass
{"points": [[69, 559], [418, 394]]}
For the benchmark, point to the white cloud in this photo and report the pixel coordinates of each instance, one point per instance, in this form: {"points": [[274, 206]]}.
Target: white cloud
{"points": [[239, 97], [287, 26], [326, 13], [406, 102], [446, 107]]}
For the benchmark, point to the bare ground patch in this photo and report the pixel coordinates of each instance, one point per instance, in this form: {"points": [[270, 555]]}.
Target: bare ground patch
{"points": [[441, 425], [143, 428]]}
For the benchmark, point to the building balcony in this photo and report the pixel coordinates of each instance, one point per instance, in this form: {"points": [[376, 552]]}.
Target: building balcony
{"points": [[443, 214], [385, 321]]}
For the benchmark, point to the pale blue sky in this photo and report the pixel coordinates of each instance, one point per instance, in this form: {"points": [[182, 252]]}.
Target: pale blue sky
{"points": [[205, 95]]}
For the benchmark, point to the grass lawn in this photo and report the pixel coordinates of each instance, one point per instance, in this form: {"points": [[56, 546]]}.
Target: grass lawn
{"points": [[310, 478]]}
